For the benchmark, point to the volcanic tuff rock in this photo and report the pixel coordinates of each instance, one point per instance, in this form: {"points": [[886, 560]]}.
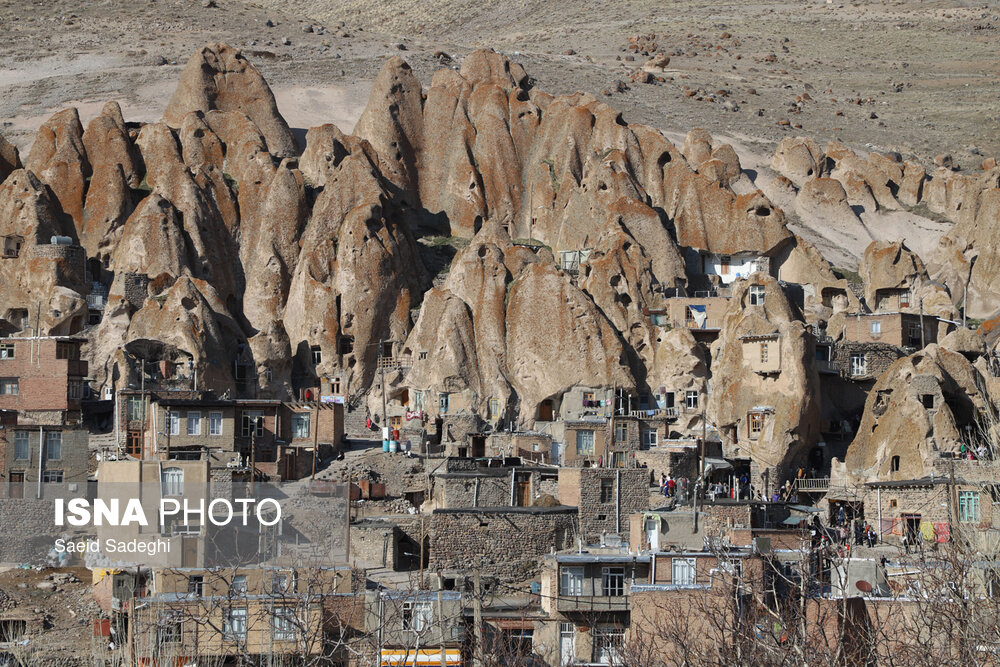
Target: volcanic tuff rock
{"points": [[792, 393], [896, 421], [58, 157], [10, 160], [888, 265], [219, 77]]}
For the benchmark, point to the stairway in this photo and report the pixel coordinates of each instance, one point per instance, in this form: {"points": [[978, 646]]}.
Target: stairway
{"points": [[354, 425]]}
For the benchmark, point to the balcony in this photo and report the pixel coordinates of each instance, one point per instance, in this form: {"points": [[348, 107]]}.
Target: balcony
{"points": [[709, 324], [813, 484], [395, 363], [827, 367], [97, 301], [589, 603]]}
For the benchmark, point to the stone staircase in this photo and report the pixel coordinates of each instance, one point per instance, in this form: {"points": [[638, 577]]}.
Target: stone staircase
{"points": [[354, 425]]}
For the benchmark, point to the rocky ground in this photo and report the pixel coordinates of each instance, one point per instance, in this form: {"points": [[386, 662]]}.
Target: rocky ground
{"points": [[915, 77], [61, 599]]}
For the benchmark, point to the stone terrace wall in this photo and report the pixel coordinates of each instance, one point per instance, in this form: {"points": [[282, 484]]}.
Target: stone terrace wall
{"points": [[506, 543]]}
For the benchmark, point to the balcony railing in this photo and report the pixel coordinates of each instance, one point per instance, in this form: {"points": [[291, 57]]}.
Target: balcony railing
{"points": [[570, 603], [709, 323], [97, 301], [813, 484], [395, 363]]}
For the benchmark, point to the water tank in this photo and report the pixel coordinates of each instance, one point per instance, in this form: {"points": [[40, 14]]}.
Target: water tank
{"points": [[61, 240]]}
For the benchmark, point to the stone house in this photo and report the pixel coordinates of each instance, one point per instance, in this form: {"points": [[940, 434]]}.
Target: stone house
{"points": [[417, 627], [505, 542], [57, 454], [490, 483], [605, 498], [42, 378]]}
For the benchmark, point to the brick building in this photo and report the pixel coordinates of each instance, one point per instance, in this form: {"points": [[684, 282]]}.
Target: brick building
{"points": [[42, 378]]}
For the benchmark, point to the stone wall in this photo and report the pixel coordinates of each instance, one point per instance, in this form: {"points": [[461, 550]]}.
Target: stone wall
{"points": [[879, 357], [605, 498], [373, 543], [506, 543], [136, 288]]}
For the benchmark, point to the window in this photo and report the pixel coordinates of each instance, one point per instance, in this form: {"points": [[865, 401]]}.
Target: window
{"points": [[607, 490], [494, 408], [894, 464], [335, 386], [234, 624], [691, 400], [927, 400], [194, 423], [422, 355], [21, 445], [133, 443], [195, 584], [571, 581], [301, 426], [756, 295], [12, 245], [280, 583], [724, 261], [683, 571], [53, 445], [968, 506], [584, 443], [443, 403], [417, 616], [914, 335], [396, 422], [613, 581], [7, 351], [8, 386], [215, 423], [588, 399], [134, 408], [317, 355], [74, 389], [418, 401], [172, 482], [252, 424], [67, 351], [172, 422], [239, 586], [859, 364], [608, 641], [763, 353], [169, 630], [52, 476], [283, 624], [876, 327], [621, 432], [649, 438], [755, 423], [904, 299]]}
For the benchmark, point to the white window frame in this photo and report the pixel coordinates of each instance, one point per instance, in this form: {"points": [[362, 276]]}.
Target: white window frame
{"points": [[234, 625], [172, 422], [756, 295], [584, 448], [691, 399], [196, 423], [9, 387], [283, 624], [172, 481], [684, 571], [650, 437], [7, 351], [571, 579], [875, 327], [859, 364], [215, 423], [300, 420], [418, 615], [608, 642], [248, 427]]}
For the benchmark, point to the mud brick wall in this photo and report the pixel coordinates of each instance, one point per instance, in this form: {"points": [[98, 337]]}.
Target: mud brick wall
{"points": [[509, 544]]}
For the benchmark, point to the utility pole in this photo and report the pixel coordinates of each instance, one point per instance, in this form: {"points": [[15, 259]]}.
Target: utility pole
{"points": [[381, 345], [142, 393], [440, 585], [477, 618], [315, 428], [922, 344]]}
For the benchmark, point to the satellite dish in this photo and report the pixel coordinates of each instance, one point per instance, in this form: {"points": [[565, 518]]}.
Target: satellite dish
{"points": [[863, 586]]}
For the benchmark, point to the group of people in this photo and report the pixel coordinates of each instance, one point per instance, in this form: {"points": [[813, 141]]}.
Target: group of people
{"points": [[980, 453], [674, 488]]}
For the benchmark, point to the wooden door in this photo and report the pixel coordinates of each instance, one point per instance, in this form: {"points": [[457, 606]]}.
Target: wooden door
{"points": [[17, 485], [523, 493]]}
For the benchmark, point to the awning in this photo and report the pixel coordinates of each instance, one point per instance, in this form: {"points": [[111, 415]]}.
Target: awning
{"points": [[805, 508], [712, 464], [424, 656], [794, 520]]}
